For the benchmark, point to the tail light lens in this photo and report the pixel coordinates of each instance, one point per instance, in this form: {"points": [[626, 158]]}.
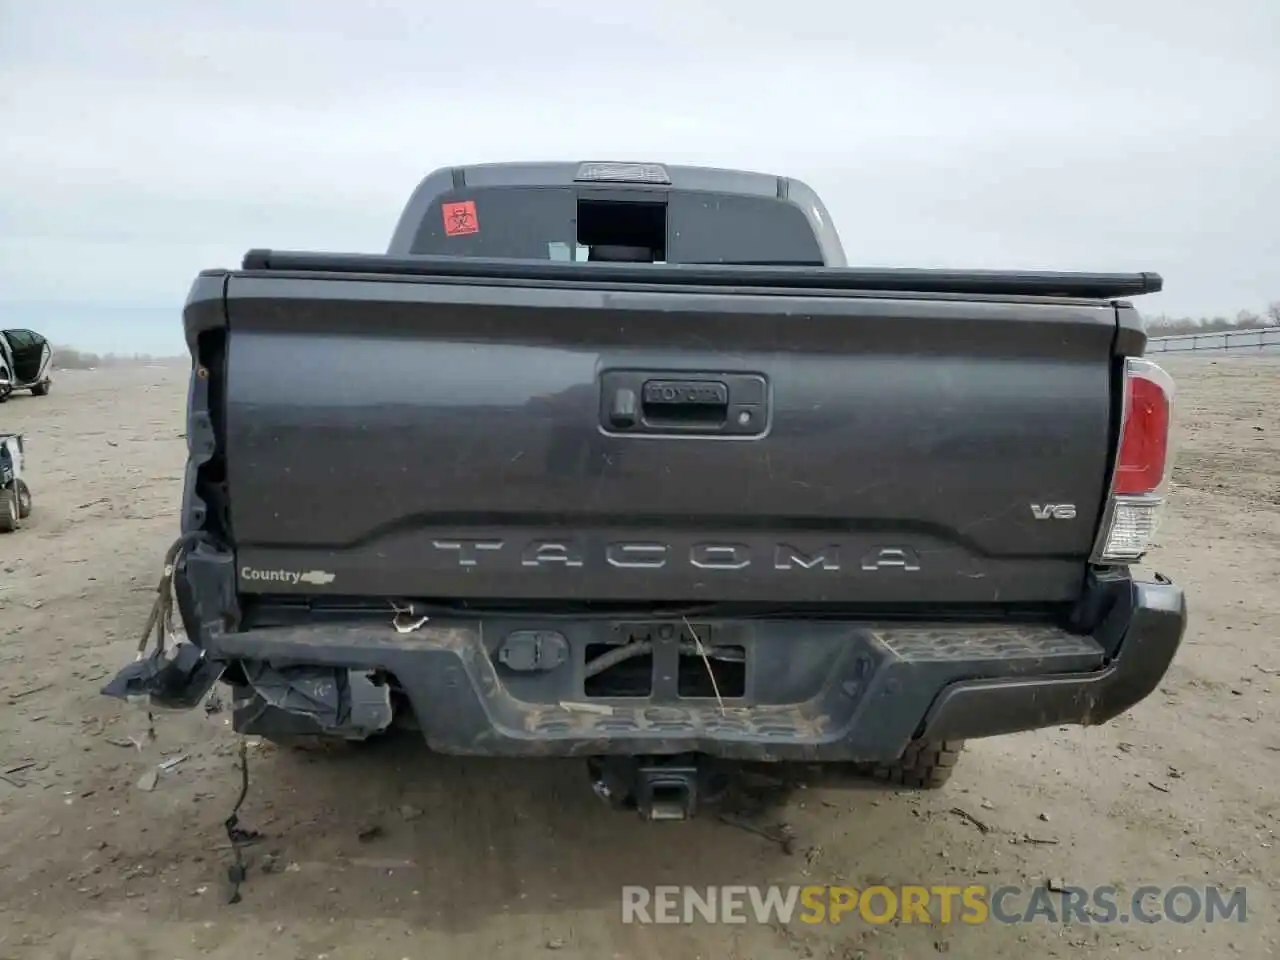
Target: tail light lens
{"points": [[1143, 465]]}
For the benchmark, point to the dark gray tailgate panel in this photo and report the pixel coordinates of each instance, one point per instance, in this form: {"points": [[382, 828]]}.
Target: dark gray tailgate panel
{"points": [[443, 439]]}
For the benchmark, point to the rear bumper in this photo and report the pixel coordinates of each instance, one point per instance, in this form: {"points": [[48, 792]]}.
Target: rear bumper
{"points": [[814, 690], [983, 708]]}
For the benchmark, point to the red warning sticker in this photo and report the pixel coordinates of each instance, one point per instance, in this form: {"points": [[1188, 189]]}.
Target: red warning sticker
{"points": [[460, 218]]}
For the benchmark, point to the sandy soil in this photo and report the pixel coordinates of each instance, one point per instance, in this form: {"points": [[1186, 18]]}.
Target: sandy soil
{"points": [[400, 854]]}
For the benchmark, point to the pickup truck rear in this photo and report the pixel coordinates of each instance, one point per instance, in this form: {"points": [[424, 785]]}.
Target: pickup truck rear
{"points": [[623, 462]]}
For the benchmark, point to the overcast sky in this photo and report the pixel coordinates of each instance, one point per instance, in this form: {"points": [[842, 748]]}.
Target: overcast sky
{"points": [[143, 141]]}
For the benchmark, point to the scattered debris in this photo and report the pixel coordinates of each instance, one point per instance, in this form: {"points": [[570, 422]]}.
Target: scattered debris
{"points": [[248, 840], [370, 833], [1039, 841], [149, 780], [1056, 885], [93, 503], [406, 620], [15, 697], [555, 943], [93, 727], [10, 774], [970, 818], [1043, 818], [1156, 786], [410, 812], [781, 835], [988, 805], [380, 863], [171, 762]]}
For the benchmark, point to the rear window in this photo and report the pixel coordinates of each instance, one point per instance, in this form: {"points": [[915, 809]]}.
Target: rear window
{"points": [[544, 223]]}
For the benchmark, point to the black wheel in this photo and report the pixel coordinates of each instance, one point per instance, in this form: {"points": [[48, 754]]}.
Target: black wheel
{"points": [[24, 498], [926, 765], [10, 516], [41, 389]]}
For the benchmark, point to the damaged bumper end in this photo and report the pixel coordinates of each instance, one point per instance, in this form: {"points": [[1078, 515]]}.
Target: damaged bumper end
{"points": [[174, 679], [300, 701], [297, 700], [810, 690]]}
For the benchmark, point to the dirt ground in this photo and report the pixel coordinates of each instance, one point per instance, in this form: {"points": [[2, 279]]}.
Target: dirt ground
{"points": [[396, 853]]}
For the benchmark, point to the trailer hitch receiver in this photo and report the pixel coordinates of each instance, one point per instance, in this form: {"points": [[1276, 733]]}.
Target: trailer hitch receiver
{"points": [[659, 787], [667, 792]]}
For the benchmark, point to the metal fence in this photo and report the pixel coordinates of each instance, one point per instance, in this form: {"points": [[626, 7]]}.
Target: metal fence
{"points": [[1264, 340]]}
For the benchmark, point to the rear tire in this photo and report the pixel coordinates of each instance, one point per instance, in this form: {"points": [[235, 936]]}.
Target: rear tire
{"points": [[10, 515], [926, 765], [24, 498], [41, 389]]}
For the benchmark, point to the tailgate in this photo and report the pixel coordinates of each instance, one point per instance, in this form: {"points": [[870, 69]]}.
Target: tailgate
{"points": [[411, 437]]}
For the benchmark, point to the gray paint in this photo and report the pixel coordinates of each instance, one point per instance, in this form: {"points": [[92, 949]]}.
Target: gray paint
{"points": [[410, 413], [682, 178], [432, 435]]}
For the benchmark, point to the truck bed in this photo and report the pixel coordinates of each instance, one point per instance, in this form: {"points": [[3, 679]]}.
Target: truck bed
{"points": [[407, 427]]}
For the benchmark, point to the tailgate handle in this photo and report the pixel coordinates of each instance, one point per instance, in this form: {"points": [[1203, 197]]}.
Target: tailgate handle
{"points": [[701, 405], [683, 402], [708, 399]]}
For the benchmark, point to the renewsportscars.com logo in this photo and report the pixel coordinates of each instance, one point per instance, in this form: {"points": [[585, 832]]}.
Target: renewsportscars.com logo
{"points": [[971, 904]]}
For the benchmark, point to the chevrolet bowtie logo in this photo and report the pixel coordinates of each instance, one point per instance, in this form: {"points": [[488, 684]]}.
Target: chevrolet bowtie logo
{"points": [[315, 578]]}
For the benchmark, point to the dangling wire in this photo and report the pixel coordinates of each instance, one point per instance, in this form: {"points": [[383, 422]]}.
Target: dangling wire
{"points": [[161, 617], [237, 835]]}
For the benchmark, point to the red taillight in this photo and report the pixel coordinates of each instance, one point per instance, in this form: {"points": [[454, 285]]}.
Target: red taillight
{"points": [[1144, 442], [1132, 513]]}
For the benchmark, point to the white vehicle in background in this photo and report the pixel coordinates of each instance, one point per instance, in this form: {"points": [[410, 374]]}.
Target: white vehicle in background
{"points": [[15, 496], [26, 359]]}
